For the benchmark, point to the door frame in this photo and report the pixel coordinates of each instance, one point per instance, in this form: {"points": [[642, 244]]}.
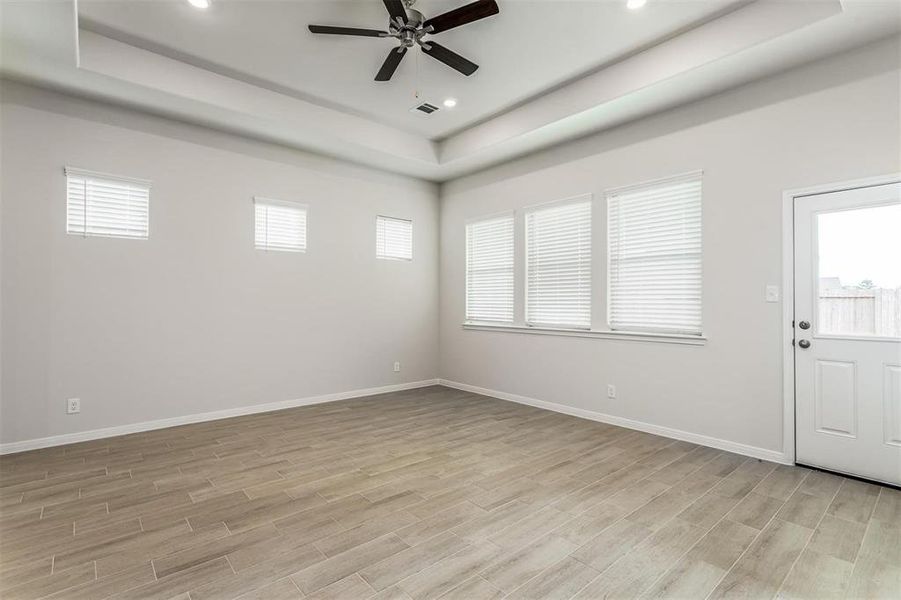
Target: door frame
{"points": [[788, 293]]}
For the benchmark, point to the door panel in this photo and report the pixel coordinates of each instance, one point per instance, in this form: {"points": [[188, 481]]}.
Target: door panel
{"points": [[848, 331], [836, 399], [892, 405]]}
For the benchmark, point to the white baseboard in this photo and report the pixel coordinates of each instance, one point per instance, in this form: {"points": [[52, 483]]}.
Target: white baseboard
{"points": [[678, 434], [96, 434], [106, 432]]}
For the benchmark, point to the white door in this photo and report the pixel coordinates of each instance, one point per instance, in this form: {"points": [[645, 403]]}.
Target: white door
{"points": [[847, 333]]}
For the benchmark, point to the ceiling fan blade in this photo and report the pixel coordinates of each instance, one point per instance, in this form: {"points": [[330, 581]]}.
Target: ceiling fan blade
{"points": [[390, 64], [347, 31], [461, 16], [396, 10], [451, 59]]}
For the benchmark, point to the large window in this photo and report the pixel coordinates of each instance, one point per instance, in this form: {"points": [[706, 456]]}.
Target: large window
{"points": [[654, 256], [393, 238], [489, 270], [558, 265], [106, 205], [280, 225]]}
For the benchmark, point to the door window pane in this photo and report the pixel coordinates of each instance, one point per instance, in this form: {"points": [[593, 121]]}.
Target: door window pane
{"points": [[859, 257]]}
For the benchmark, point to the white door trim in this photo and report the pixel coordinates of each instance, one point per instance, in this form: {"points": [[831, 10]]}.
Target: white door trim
{"points": [[788, 293]]}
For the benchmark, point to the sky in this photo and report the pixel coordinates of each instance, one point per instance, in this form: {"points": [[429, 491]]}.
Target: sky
{"points": [[862, 244]]}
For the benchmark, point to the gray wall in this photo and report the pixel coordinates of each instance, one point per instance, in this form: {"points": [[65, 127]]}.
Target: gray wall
{"points": [[194, 319], [831, 121]]}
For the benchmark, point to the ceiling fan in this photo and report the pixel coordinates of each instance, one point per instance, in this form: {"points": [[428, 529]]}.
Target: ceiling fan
{"points": [[410, 26]]}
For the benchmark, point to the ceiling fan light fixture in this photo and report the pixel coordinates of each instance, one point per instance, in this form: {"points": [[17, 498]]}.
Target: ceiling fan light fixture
{"points": [[450, 102], [199, 3], [635, 4]]}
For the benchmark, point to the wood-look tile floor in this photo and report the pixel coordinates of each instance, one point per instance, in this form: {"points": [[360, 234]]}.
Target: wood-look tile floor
{"points": [[433, 493]]}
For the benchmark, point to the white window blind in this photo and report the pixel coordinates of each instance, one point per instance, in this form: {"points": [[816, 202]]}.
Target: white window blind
{"points": [[654, 255], [558, 265], [280, 225], [393, 238], [489, 270], [106, 205]]}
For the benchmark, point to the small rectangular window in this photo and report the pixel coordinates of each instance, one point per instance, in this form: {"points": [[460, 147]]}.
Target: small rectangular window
{"points": [[280, 225], [106, 205], [558, 265], [859, 281], [393, 238], [489, 270], [654, 256]]}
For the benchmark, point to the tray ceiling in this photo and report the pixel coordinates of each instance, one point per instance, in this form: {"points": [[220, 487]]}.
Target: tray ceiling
{"points": [[551, 70]]}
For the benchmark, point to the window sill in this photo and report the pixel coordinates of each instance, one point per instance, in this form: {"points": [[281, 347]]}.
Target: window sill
{"points": [[661, 338]]}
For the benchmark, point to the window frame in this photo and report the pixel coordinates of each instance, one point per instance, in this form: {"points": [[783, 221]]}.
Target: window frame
{"points": [[599, 328], [483, 219], [87, 174], [661, 181], [268, 201], [587, 198], [379, 256]]}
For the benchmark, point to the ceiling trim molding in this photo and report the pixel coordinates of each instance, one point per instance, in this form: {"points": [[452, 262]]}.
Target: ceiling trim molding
{"points": [[584, 104]]}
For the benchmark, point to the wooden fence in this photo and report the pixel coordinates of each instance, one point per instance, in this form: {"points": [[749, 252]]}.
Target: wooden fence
{"points": [[860, 311]]}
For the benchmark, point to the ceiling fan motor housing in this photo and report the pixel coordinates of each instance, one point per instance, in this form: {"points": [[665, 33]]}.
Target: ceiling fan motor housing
{"points": [[408, 33], [414, 18]]}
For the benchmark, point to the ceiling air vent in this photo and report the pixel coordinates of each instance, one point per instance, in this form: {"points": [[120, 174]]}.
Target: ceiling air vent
{"points": [[425, 108]]}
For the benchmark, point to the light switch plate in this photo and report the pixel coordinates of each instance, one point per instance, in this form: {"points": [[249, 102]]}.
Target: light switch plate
{"points": [[772, 293]]}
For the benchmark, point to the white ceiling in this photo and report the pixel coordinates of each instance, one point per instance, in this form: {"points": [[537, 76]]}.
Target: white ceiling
{"points": [[551, 70], [529, 47]]}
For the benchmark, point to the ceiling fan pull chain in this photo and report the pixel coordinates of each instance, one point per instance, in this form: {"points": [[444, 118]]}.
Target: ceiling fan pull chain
{"points": [[417, 75]]}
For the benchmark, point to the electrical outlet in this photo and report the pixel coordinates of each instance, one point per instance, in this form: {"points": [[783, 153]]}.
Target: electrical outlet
{"points": [[772, 293], [396, 367], [73, 406], [611, 391]]}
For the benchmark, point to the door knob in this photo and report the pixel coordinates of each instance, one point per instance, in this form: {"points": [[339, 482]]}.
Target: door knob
{"points": [[804, 344], [804, 325]]}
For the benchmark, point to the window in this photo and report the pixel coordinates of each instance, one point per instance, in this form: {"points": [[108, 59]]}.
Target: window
{"points": [[280, 225], [859, 272], [489, 270], [558, 265], [106, 205], [393, 238], [654, 256]]}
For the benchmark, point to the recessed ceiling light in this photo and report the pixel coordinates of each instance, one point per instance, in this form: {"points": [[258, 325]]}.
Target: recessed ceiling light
{"points": [[635, 4], [450, 103], [206, 3]]}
